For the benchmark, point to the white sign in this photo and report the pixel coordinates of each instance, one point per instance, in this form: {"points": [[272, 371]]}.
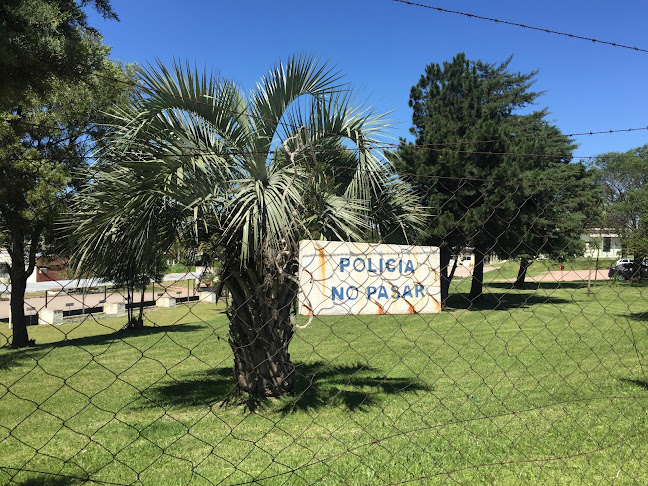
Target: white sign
{"points": [[339, 278]]}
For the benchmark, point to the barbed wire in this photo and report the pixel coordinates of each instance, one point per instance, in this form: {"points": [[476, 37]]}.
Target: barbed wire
{"points": [[423, 402], [516, 24], [368, 147], [407, 144], [406, 175], [381, 146]]}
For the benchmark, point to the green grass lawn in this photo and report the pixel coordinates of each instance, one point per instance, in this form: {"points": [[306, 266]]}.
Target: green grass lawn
{"points": [[543, 386]]}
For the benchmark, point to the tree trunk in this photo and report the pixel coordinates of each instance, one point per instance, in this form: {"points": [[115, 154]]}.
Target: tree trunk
{"points": [[454, 269], [521, 276], [140, 317], [130, 309], [18, 281], [445, 279], [261, 330], [18, 274], [477, 283], [638, 273]]}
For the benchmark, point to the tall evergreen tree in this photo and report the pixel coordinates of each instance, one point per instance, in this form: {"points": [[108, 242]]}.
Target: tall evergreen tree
{"points": [[42, 142], [555, 205], [555, 200], [463, 114], [495, 179], [46, 41]]}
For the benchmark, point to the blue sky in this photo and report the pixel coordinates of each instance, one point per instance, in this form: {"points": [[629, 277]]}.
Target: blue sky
{"points": [[383, 47]]}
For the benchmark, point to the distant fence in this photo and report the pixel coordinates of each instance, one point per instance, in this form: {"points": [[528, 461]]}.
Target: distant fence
{"points": [[78, 297]]}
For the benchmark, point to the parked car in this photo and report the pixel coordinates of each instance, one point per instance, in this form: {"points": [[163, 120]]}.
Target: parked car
{"points": [[624, 260], [626, 271]]}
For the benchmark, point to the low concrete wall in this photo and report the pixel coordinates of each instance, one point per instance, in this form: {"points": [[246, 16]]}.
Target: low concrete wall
{"points": [[50, 317], [165, 302], [207, 297], [114, 308]]}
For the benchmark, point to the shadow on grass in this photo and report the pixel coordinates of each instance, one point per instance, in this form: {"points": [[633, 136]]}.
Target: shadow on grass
{"points": [[638, 316], [502, 301], [50, 481], [42, 479], [540, 285], [10, 358], [123, 334], [640, 383], [215, 387], [355, 387], [318, 385]]}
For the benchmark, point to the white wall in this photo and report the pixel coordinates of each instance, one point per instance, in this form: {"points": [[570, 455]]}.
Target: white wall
{"points": [[5, 258], [602, 243]]}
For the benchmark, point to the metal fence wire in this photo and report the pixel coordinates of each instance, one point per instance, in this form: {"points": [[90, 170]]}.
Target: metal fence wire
{"points": [[502, 383]]}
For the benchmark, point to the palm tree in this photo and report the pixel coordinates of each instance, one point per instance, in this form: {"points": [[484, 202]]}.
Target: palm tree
{"points": [[191, 158]]}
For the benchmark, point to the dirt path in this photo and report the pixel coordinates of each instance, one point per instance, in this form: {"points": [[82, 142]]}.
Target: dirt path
{"points": [[462, 271], [553, 276], [568, 276]]}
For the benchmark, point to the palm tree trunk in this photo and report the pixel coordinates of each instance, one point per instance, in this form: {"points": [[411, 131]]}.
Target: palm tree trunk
{"points": [[260, 332]]}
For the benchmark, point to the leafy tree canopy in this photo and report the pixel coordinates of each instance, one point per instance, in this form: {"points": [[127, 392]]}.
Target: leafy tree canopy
{"points": [[475, 141], [43, 141], [623, 177], [45, 40], [245, 177]]}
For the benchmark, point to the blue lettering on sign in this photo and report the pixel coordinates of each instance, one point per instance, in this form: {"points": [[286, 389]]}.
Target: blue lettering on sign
{"points": [[383, 292], [370, 268], [338, 292], [344, 262], [359, 265], [352, 293], [379, 265]]}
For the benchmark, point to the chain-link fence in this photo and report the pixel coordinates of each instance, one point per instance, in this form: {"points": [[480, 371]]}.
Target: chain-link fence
{"points": [[496, 362], [507, 348]]}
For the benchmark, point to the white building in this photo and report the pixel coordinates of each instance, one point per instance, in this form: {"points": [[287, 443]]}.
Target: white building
{"points": [[5, 260], [602, 243]]}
